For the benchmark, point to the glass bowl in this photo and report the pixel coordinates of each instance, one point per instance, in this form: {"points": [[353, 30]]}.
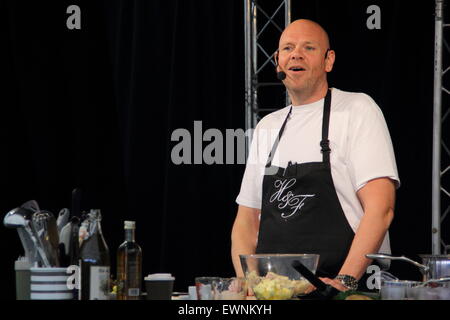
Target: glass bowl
{"points": [[272, 277], [234, 288]]}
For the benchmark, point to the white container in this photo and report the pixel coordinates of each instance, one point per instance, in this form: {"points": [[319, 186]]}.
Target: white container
{"points": [[50, 284], [397, 289], [22, 268], [192, 292]]}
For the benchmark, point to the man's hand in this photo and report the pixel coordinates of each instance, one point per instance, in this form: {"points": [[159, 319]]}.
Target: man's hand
{"points": [[335, 283], [332, 282], [377, 198]]}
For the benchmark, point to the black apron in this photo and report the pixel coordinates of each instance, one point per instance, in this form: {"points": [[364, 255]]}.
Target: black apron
{"points": [[301, 212]]}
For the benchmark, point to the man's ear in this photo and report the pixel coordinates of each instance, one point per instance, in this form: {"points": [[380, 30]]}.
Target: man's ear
{"points": [[275, 58], [329, 60]]}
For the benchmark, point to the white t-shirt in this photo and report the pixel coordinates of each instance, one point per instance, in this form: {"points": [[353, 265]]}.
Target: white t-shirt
{"points": [[361, 149]]}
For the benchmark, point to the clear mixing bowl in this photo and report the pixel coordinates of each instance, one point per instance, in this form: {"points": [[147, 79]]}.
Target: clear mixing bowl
{"points": [[272, 277]]}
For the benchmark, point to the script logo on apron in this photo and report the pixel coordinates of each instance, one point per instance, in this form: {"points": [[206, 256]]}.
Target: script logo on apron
{"points": [[287, 200]]}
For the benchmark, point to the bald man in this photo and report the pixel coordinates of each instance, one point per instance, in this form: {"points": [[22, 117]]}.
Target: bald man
{"points": [[325, 183]]}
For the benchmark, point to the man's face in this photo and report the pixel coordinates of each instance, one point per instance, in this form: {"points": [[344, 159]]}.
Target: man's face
{"points": [[302, 49]]}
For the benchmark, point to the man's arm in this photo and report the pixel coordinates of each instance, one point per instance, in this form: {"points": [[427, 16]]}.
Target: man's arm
{"points": [[378, 199], [244, 235]]}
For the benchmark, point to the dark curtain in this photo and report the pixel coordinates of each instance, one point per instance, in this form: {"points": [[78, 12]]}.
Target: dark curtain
{"points": [[95, 108]]}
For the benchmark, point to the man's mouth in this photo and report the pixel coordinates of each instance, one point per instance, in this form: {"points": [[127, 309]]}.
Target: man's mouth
{"points": [[297, 69]]}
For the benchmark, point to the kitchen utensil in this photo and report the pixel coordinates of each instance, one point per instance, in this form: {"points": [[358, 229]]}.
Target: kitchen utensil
{"points": [[45, 225], [63, 258], [63, 218], [433, 266], [26, 210], [64, 236], [423, 268], [271, 276], [438, 265], [440, 280], [323, 291], [304, 271], [68, 240], [386, 276], [15, 219], [76, 202], [278, 263], [74, 244], [20, 219], [31, 205]]}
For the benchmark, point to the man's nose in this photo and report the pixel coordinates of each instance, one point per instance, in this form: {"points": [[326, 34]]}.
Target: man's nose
{"points": [[297, 54]]}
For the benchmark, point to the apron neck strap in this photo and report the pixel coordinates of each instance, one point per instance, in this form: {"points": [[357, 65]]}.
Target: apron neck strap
{"points": [[280, 133], [324, 144]]}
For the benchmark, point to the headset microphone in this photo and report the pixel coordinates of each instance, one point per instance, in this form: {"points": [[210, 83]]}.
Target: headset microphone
{"points": [[281, 75]]}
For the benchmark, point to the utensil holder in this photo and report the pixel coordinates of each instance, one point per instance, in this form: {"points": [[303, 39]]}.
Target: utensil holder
{"points": [[50, 284]]}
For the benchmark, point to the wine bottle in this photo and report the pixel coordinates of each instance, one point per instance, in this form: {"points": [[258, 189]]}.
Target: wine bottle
{"points": [[94, 260], [129, 265]]}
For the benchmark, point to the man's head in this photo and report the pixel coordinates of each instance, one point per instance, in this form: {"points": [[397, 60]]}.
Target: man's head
{"points": [[304, 55]]}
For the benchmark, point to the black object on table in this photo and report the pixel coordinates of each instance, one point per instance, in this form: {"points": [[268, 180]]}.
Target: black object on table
{"points": [[323, 291]]}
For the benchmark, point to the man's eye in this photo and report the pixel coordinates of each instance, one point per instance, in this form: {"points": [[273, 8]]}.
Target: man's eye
{"points": [[309, 48], [287, 48]]}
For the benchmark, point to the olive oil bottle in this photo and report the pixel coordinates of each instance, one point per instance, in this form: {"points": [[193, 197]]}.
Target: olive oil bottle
{"points": [[129, 265]]}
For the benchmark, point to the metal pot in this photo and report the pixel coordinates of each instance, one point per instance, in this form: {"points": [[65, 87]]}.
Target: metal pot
{"points": [[432, 267], [438, 266]]}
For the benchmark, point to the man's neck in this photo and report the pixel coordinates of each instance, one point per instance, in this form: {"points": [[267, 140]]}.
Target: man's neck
{"points": [[302, 97]]}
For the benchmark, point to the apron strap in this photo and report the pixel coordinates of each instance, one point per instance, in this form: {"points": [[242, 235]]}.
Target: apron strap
{"points": [[275, 145], [325, 143]]}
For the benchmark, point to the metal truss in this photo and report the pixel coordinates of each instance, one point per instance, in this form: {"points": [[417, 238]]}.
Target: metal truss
{"points": [[441, 152], [264, 22], [260, 76]]}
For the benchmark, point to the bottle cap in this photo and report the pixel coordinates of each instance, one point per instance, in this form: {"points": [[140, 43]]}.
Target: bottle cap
{"points": [[130, 224]]}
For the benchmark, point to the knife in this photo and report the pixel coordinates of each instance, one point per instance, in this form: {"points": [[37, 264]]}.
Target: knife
{"points": [[324, 291], [305, 272]]}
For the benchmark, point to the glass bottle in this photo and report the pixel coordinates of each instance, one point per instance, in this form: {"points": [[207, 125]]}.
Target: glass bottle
{"points": [[94, 259], [129, 265]]}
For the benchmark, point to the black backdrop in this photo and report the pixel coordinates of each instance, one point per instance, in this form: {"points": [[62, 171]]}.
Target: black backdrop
{"points": [[95, 108]]}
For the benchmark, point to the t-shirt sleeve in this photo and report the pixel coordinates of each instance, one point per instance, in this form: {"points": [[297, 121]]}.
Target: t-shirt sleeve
{"points": [[250, 194], [370, 153]]}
